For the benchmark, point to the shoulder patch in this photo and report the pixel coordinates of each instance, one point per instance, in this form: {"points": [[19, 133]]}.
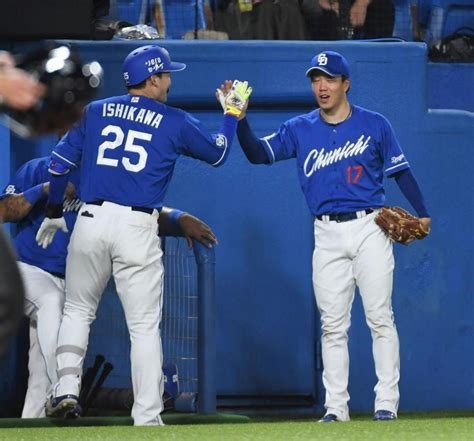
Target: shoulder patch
{"points": [[397, 159]]}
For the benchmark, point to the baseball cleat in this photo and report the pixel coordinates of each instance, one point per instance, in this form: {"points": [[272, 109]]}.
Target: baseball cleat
{"points": [[384, 415], [329, 418], [64, 406]]}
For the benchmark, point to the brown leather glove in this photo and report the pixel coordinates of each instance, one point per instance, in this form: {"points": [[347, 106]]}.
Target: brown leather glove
{"points": [[399, 225]]}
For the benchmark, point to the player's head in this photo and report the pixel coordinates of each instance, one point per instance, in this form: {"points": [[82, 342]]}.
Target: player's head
{"points": [[145, 62], [329, 74]]}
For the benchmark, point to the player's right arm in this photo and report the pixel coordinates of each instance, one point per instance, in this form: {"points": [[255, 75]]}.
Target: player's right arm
{"points": [[267, 150], [66, 156], [253, 148], [272, 148]]}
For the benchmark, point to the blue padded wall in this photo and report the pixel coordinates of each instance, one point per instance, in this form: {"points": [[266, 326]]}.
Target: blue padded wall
{"points": [[267, 324]]}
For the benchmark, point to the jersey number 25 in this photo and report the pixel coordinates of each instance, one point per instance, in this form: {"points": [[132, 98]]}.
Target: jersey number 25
{"points": [[130, 146]]}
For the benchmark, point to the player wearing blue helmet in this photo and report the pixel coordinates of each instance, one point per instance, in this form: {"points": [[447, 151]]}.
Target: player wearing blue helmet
{"points": [[127, 147], [342, 153], [23, 202]]}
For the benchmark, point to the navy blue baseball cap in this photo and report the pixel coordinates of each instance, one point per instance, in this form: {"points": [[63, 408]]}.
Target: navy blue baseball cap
{"points": [[331, 63]]}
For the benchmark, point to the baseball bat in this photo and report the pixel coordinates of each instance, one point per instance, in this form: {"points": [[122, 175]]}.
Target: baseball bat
{"points": [[108, 367], [89, 377]]}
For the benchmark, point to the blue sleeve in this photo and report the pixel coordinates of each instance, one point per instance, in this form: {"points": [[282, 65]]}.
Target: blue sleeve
{"points": [[57, 188], [253, 148], [393, 156], [280, 145], [26, 177], [411, 190], [213, 149], [68, 151]]}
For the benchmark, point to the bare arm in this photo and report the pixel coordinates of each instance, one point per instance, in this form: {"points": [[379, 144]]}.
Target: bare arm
{"points": [[358, 12], [188, 226], [15, 207]]}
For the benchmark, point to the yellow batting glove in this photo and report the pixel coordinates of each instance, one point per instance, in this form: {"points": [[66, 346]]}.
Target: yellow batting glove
{"points": [[236, 100]]}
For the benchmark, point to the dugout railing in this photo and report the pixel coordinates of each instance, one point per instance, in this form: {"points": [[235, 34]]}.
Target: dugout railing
{"points": [[187, 331]]}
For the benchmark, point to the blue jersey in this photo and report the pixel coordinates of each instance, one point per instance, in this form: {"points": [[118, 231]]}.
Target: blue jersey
{"points": [[341, 167], [127, 147], [53, 258]]}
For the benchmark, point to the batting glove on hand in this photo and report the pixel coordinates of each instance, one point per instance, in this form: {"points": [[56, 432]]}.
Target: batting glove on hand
{"points": [[234, 102], [48, 229]]}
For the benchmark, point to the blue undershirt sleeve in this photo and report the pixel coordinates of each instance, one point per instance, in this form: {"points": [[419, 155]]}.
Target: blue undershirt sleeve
{"points": [[57, 188], [251, 145], [411, 190]]}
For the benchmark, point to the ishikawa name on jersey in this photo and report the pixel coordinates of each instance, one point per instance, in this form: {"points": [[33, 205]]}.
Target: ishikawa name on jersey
{"points": [[340, 166], [53, 258], [127, 147]]}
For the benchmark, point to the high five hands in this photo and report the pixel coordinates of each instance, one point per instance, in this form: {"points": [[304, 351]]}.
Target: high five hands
{"points": [[234, 97]]}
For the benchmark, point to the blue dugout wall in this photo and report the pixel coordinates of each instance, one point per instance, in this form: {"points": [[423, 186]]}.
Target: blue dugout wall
{"points": [[267, 324]]}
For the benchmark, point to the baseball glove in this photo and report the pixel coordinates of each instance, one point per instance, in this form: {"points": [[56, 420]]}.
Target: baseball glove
{"points": [[399, 225]]}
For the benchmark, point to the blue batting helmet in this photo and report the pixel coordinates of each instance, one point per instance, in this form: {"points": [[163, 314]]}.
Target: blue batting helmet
{"points": [[146, 61]]}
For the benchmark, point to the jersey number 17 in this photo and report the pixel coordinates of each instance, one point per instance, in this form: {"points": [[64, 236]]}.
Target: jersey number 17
{"points": [[353, 174]]}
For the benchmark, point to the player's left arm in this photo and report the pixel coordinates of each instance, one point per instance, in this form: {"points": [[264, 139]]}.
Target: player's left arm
{"points": [[214, 149], [15, 207], [173, 222], [195, 142], [408, 185], [25, 189], [397, 166]]}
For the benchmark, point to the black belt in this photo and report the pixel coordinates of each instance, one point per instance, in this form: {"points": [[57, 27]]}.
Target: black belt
{"points": [[59, 275], [143, 209], [344, 217]]}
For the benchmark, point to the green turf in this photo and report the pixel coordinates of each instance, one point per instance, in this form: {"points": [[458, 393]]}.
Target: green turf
{"points": [[449, 426]]}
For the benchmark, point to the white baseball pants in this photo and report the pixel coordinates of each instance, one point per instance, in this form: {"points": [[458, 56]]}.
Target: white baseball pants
{"points": [[347, 254], [44, 300], [113, 239]]}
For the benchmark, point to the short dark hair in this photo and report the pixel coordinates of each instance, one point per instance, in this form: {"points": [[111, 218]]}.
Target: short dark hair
{"points": [[324, 74], [143, 83]]}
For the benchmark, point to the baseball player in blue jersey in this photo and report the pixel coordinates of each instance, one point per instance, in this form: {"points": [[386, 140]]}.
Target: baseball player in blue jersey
{"points": [[127, 147], [342, 153], [23, 202]]}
